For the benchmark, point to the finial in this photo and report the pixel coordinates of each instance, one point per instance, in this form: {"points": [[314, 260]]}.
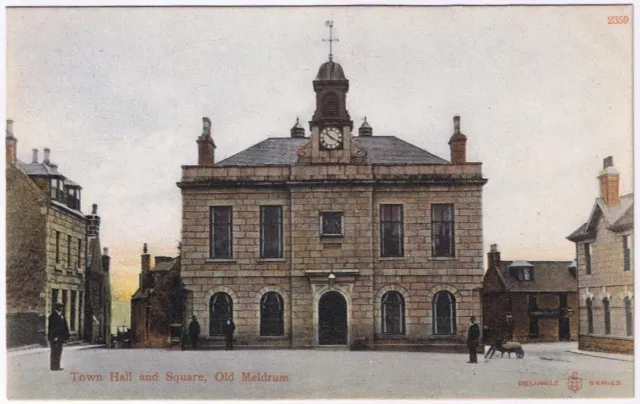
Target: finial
{"points": [[144, 249], [456, 124], [331, 39]]}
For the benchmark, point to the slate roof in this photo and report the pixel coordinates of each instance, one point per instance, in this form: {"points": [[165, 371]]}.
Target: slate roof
{"points": [[548, 276], [46, 170], [616, 216], [380, 150]]}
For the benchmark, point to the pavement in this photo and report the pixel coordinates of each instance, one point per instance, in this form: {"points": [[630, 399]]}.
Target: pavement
{"points": [[39, 349], [546, 371]]}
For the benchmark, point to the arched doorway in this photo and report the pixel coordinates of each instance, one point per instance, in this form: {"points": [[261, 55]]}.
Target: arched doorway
{"points": [[332, 315]]}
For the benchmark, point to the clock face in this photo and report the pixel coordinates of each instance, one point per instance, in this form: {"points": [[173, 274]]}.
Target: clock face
{"points": [[331, 138]]}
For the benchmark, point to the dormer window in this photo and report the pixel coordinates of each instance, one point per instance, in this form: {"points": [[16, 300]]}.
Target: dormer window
{"points": [[73, 197], [57, 190], [521, 270]]}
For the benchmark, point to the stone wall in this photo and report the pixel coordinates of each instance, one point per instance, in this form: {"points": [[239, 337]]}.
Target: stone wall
{"points": [[606, 344], [246, 276]]}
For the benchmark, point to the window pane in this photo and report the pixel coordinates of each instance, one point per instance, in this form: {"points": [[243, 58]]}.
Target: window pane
{"points": [[221, 232], [442, 230], [391, 231], [331, 223], [590, 316], [444, 321], [72, 311], [271, 314], [392, 311], [271, 232]]}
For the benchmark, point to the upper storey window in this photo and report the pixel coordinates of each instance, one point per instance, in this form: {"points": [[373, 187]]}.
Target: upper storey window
{"points": [[221, 232], [73, 197], [391, 231], [57, 190], [442, 230]]}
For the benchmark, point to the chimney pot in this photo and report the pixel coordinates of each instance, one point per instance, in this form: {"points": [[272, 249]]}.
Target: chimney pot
{"points": [[35, 156], [206, 126], [105, 251], [206, 146], [607, 162], [144, 249], [47, 153], [9, 127], [456, 124], [94, 209], [494, 248]]}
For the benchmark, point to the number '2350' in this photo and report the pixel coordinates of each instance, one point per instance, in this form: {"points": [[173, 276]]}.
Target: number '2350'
{"points": [[618, 19]]}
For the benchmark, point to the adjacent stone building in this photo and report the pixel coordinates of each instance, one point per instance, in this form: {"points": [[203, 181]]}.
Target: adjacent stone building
{"points": [[333, 239], [158, 302], [604, 250], [530, 301]]}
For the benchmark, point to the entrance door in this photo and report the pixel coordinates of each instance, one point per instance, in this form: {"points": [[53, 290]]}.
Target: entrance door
{"points": [[332, 314]]}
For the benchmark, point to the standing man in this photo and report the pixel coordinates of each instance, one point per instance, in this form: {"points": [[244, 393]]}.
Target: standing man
{"points": [[194, 332], [473, 340], [58, 333], [229, 328]]}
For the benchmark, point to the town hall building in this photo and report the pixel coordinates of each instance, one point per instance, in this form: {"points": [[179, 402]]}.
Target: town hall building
{"points": [[338, 238]]}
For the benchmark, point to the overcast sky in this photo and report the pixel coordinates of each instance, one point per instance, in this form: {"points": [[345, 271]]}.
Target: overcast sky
{"points": [[118, 94]]}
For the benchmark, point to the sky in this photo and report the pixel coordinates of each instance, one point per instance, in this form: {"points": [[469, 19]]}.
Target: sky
{"points": [[118, 95]]}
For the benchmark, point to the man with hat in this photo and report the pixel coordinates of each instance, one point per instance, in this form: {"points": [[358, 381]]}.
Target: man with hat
{"points": [[58, 333]]}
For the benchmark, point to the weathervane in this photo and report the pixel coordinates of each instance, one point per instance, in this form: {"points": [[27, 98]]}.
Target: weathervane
{"points": [[331, 39]]}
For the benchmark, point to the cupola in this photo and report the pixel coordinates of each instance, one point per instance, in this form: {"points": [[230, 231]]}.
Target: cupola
{"points": [[365, 129], [297, 130]]}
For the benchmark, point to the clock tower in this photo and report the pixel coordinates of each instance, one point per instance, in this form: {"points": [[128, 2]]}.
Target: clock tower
{"points": [[331, 125]]}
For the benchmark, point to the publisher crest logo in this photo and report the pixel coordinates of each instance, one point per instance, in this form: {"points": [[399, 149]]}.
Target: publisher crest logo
{"points": [[574, 382]]}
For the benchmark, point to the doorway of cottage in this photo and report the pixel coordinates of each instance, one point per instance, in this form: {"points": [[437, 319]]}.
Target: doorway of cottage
{"points": [[332, 318]]}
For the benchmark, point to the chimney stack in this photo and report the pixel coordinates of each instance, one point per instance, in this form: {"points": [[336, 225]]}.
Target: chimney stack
{"points": [[458, 144], [297, 130], [206, 146], [365, 129], [47, 152], [145, 259], [493, 257], [93, 225], [11, 145], [34, 159], [609, 183]]}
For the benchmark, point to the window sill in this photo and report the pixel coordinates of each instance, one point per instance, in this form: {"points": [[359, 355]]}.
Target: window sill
{"points": [[391, 336], [331, 236], [392, 258], [273, 337], [219, 260], [267, 260], [444, 337], [443, 258]]}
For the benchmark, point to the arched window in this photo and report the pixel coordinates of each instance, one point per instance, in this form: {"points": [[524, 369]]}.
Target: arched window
{"points": [[607, 316], [444, 313], [589, 316], [628, 312], [271, 314], [392, 310], [330, 105], [220, 309]]}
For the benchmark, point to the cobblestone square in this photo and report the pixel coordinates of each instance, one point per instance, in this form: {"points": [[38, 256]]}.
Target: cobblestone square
{"points": [[544, 372]]}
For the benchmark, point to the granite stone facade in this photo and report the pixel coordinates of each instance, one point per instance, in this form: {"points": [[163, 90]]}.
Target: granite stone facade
{"points": [[344, 287], [604, 250]]}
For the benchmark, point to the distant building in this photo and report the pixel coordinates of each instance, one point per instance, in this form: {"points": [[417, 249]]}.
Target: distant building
{"points": [[604, 250], [97, 285], [158, 302], [338, 238], [530, 300], [46, 246]]}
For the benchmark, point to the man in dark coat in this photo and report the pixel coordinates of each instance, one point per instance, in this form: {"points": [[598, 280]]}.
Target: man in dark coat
{"points": [[58, 333], [473, 340], [229, 328], [194, 332]]}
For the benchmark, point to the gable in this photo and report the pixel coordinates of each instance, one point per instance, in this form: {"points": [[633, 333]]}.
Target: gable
{"points": [[492, 281]]}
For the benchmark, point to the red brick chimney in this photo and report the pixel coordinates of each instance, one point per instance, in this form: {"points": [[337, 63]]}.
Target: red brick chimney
{"points": [[609, 183], [11, 145], [206, 147], [458, 144], [493, 256]]}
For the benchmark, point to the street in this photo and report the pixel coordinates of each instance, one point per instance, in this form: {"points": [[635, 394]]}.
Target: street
{"points": [[544, 372]]}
